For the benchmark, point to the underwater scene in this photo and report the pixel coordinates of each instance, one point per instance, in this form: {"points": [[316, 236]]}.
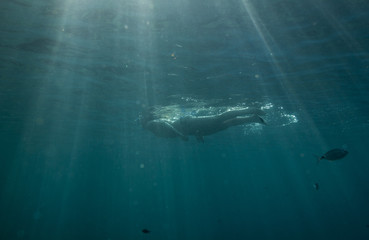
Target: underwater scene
{"points": [[184, 119]]}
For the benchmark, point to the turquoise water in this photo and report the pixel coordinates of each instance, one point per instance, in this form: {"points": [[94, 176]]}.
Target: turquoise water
{"points": [[75, 75]]}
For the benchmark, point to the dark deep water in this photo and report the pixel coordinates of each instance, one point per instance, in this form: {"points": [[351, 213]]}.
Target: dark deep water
{"points": [[76, 74]]}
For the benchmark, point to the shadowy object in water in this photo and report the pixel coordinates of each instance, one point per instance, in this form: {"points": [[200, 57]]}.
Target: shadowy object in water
{"points": [[333, 155], [316, 186], [145, 231]]}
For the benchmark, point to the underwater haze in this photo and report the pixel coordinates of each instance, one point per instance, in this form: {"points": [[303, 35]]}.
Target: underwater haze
{"points": [[77, 75]]}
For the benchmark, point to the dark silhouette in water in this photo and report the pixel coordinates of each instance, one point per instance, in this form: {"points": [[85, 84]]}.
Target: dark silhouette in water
{"points": [[200, 126], [316, 186], [333, 155], [145, 231]]}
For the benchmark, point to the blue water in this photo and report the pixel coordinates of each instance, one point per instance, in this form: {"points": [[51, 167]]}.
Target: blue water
{"points": [[75, 76]]}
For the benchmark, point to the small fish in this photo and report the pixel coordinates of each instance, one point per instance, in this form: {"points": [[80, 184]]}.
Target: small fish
{"points": [[333, 155], [316, 186], [146, 230]]}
